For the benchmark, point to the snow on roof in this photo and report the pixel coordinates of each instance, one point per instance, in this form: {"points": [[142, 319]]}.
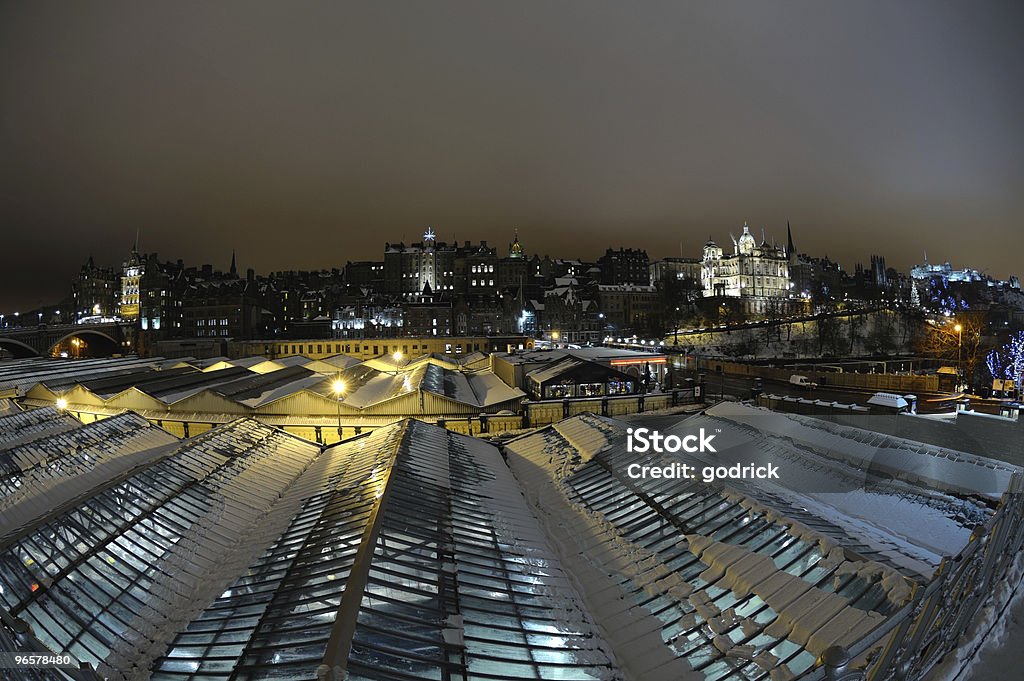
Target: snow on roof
{"points": [[891, 400], [546, 373], [378, 388], [340, 361], [25, 426], [646, 554], [277, 391], [293, 360], [616, 577], [429, 479], [906, 503], [247, 362], [47, 473], [238, 484], [366, 386], [594, 354], [208, 362], [22, 374], [561, 447], [490, 390]]}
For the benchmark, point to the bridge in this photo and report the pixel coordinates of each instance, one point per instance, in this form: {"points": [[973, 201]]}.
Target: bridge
{"points": [[93, 340]]}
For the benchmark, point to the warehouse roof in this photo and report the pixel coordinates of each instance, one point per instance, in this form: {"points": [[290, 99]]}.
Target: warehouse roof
{"points": [[739, 580], [405, 553], [368, 384], [412, 552]]}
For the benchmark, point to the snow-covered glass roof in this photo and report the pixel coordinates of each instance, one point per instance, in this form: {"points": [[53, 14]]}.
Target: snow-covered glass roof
{"points": [[415, 553], [253, 387], [248, 553], [99, 578], [18, 427], [743, 583]]}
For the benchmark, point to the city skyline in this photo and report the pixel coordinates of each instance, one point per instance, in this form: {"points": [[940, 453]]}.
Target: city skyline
{"points": [[847, 261], [306, 138]]}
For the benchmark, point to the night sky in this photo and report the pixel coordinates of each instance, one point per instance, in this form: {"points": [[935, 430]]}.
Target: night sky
{"points": [[308, 134]]}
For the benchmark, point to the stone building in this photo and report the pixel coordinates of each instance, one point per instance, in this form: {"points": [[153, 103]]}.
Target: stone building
{"points": [[758, 274]]}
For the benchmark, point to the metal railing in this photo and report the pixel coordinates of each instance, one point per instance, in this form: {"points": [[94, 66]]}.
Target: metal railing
{"points": [[939, 615]]}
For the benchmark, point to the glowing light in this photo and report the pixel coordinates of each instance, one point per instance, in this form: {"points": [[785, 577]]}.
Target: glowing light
{"points": [[338, 387], [62, 403], [397, 356], [652, 360]]}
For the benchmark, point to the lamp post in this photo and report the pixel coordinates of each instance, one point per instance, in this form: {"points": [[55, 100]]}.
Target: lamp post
{"points": [[959, 344], [338, 387]]}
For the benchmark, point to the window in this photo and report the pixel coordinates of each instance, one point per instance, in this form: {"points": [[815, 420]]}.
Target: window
{"points": [[560, 390]]}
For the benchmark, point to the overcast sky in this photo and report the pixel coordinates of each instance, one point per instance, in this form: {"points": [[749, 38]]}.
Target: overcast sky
{"points": [[308, 134]]}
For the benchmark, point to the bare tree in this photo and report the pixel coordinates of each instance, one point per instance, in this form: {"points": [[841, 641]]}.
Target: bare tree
{"points": [[956, 339]]}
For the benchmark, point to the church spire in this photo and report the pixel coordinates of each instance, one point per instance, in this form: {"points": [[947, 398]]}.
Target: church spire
{"points": [[789, 239], [234, 269]]}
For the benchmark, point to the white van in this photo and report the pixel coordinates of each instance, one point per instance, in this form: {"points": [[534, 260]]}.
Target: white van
{"points": [[802, 381]]}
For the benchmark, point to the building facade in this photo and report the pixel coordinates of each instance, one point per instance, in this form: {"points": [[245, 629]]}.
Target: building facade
{"points": [[625, 266], [132, 270], [755, 273], [95, 292]]}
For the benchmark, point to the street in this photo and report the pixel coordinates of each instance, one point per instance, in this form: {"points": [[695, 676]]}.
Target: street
{"points": [[927, 402]]}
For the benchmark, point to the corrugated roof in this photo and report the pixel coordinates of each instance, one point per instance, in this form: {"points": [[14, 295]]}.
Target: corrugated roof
{"points": [[546, 373]]}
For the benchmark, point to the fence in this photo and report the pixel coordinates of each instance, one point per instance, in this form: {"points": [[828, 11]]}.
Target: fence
{"points": [[546, 412], [902, 383]]}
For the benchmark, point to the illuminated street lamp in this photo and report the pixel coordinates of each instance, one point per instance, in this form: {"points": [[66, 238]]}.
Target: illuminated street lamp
{"points": [[338, 388], [62, 403], [959, 344]]}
